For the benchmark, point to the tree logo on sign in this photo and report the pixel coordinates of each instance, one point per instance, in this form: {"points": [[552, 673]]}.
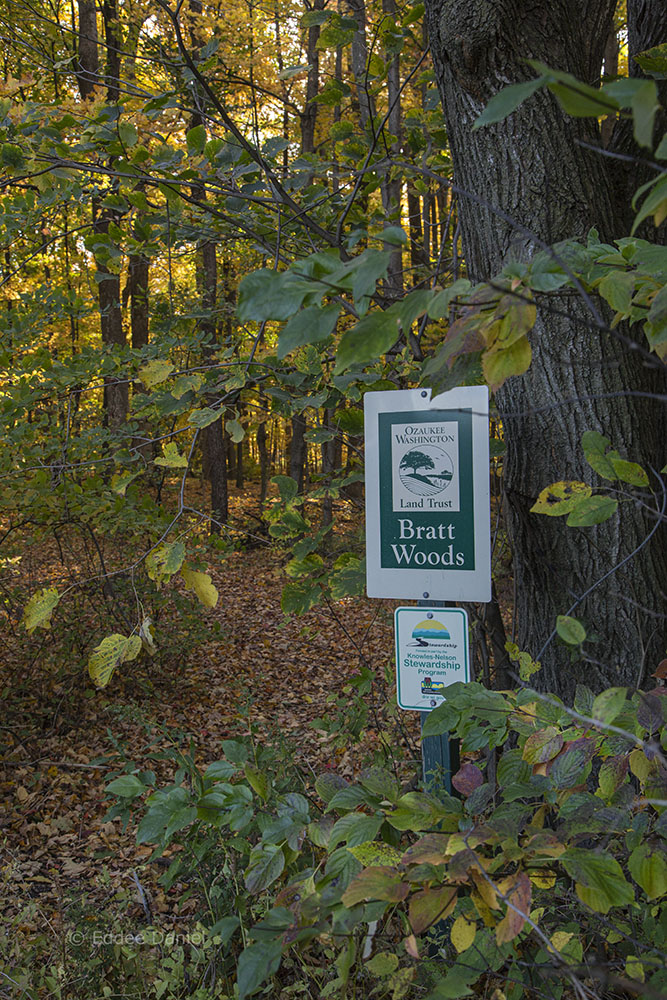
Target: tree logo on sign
{"points": [[426, 471]]}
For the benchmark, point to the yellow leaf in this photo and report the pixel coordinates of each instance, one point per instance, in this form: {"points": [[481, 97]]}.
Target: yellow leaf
{"points": [[634, 968], [560, 939], [111, 652], [640, 766], [39, 609], [121, 480], [545, 881], [560, 498], [202, 586], [499, 365], [171, 458], [597, 900], [483, 909], [373, 852], [155, 372], [463, 933]]}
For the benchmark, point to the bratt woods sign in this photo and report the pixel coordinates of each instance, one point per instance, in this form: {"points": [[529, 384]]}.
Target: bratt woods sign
{"points": [[427, 494]]}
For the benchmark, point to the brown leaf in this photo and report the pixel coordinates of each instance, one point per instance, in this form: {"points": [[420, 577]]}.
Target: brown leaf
{"points": [[518, 891], [429, 906], [467, 779]]}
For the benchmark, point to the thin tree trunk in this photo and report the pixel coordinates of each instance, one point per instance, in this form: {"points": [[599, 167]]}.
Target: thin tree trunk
{"points": [[392, 186], [213, 436], [297, 450], [309, 113], [87, 65], [264, 463]]}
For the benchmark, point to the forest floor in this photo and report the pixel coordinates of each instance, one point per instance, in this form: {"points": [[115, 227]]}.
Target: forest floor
{"points": [[245, 666]]}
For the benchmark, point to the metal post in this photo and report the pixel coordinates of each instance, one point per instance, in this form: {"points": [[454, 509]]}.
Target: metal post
{"points": [[440, 754]]}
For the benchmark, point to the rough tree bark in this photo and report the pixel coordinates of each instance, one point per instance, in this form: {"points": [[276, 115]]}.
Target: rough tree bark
{"points": [[533, 169], [116, 393], [213, 436]]}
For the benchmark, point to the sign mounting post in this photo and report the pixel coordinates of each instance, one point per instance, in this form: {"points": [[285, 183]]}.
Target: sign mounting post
{"points": [[427, 536]]}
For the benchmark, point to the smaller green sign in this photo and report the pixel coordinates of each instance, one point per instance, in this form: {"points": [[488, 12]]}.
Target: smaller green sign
{"points": [[431, 653]]}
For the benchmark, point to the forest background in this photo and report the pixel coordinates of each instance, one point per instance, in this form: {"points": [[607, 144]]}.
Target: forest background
{"points": [[221, 225]]}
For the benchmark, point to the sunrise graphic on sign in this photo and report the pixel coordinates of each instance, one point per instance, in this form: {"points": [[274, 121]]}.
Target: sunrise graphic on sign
{"points": [[427, 632]]}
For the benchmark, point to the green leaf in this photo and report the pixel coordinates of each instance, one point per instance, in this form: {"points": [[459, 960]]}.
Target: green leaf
{"points": [[204, 417], [591, 510], [641, 96], [653, 61], [11, 155], [40, 607], [443, 719], [172, 458], [417, 811], [111, 652], [609, 704], [508, 100], [629, 472], [354, 829], [196, 140], [617, 288], [372, 337], [287, 487], [164, 561], [235, 430], [257, 780], [297, 598], [393, 234], [595, 447], [202, 586], [599, 878], [570, 630], [308, 326], [327, 784], [577, 98], [654, 204], [380, 781], [314, 17], [256, 964], [127, 132], [267, 294], [366, 270], [127, 786], [266, 865], [648, 868], [439, 305], [179, 819]]}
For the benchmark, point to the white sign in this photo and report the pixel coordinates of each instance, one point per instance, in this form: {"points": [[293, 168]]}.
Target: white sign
{"points": [[427, 494], [431, 654]]}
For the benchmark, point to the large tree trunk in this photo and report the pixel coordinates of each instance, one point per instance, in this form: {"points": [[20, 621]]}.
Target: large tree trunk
{"points": [[533, 169]]}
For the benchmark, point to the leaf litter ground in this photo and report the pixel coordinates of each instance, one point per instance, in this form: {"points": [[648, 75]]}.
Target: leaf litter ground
{"points": [[61, 862]]}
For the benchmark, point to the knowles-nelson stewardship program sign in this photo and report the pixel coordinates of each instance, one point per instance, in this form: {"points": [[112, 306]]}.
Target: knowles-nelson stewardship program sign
{"points": [[427, 494]]}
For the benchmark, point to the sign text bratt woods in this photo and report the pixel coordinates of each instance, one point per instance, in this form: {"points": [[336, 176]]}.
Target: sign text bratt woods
{"points": [[427, 494]]}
